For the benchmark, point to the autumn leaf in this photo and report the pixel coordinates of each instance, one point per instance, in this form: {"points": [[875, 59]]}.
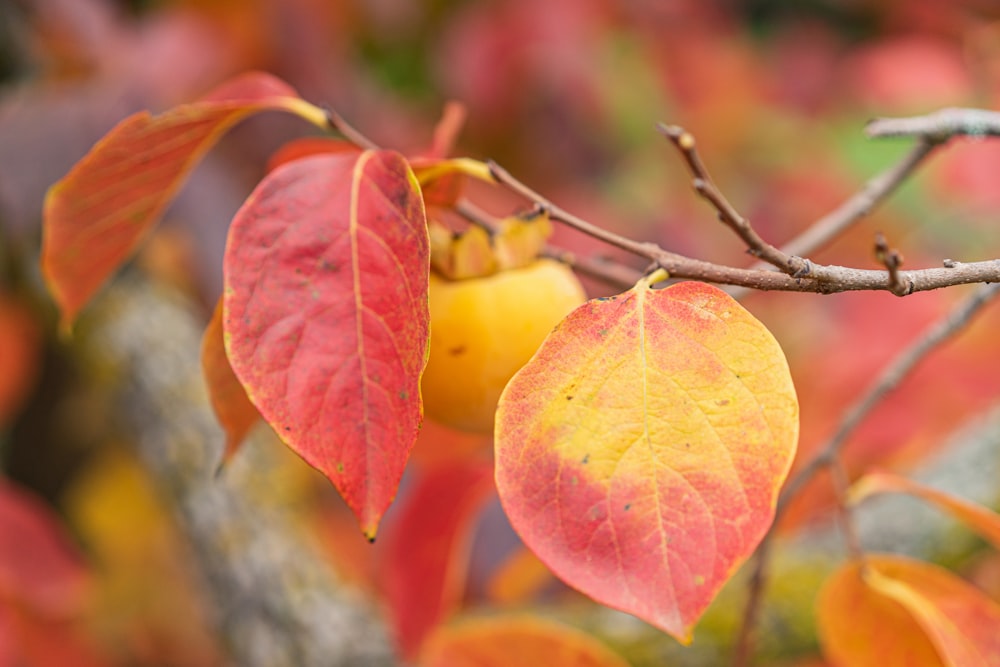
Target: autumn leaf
{"points": [[426, 548], [979, 518], [326, 316], [640, 452], [236, 414], [20, 355], [96, 216], [40, 568], [515, 640], [892, 611]]}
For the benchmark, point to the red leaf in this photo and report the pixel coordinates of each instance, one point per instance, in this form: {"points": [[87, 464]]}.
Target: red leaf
{"points": [[326, 317], [232, 407], [20, 350], [515, 640], [96, 216], [427, 548], [39, 567], [640, 452]]}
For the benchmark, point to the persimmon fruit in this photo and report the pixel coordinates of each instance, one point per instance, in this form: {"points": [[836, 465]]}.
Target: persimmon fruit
{"points": [[483, 330]]}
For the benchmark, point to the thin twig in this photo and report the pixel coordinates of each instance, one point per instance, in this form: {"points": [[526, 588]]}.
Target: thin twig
{"points": [[828, 453], [353, 135], [940, 125], [705, 186], [841, 481], [745, 639]]}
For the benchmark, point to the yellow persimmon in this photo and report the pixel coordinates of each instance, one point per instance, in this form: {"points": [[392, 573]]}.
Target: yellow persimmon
{"points": [[483, 330]]}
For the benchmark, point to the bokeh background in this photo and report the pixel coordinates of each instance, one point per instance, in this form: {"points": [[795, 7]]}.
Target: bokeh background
{"points": [[565, 94]]}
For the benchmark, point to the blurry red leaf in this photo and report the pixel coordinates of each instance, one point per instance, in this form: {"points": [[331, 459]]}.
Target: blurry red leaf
{"points": [[46, 642], [326, 317], [515, 640], [20, 347], [99, 212], [306, 146], [39, 567], [427, 545], [891, 611], [235, 412], [640, 452], [910, 73]]}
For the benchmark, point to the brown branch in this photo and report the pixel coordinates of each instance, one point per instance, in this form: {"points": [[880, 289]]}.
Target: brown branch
{"points": [[353, 135], [939, 126], [703, 184], [828, 453]]}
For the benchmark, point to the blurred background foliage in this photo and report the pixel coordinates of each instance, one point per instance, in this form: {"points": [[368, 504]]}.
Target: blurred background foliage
{"points": [[565, 94]]}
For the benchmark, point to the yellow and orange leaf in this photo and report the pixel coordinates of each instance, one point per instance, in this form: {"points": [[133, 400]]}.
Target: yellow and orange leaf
{"points": [[892, 611], [326, 319], [236, 414], [640, 452], [96, 216], [980, 519], [515, 640]]}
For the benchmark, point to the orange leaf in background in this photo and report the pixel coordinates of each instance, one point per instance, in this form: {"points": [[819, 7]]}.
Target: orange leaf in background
{"points": [[427, 546], [640, 452], [236, 414], [326, 316], [519, 578], [515, 640], [980, 519], [95, 217], [892, 611]]}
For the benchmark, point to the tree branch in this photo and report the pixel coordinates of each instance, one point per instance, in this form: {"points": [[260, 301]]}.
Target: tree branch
{"points": [[939, 126]]}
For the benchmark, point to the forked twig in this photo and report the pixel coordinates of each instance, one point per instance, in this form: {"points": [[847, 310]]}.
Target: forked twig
{"points": [[704, 186]]}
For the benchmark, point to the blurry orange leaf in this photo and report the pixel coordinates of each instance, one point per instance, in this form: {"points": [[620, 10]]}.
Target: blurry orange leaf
{"points": [[892, 611], [515, 640], [519, 578], [39, 566], [99, 212], [235, 412], [427, 548], [640, 452], [20, 348], [326, 316], [982, 520]]}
